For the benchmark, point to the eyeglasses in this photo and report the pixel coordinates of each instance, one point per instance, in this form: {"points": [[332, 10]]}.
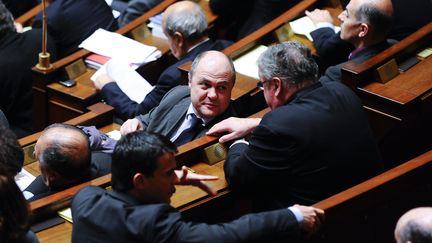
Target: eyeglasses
{"points": [[260, 85]]}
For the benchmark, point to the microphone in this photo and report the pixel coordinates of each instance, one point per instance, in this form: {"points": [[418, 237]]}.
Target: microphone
{"points": [[44, 56]]}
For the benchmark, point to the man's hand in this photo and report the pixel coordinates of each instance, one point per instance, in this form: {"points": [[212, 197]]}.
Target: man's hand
{"points": [[235, 127], [188, 178], [312, 218], [131, 125], [102, 80], [319, 16]]}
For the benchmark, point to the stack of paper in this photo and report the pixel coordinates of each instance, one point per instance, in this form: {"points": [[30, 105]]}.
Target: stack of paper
{"points": [[117, 46]]}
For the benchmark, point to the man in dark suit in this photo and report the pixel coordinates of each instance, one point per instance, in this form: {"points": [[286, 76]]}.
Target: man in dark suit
{"points": [[18, 54], [138, 210], [365, 24], [205, 102], [408, 16], [65, 159], [70, 22], [185, 25], [135, 8], [315, 142]]}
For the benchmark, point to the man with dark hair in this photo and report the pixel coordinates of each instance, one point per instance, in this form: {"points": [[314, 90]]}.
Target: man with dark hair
{"points": [[138, 210], [18, 54], [11, 153], [315, 142], [185, 25], [415, 226], [186, 113], [65, 159]]}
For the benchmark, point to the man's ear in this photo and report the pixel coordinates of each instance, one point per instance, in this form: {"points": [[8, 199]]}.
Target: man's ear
{"points": [[178, 40], [364, 30], [276, 86], [139, 181]]}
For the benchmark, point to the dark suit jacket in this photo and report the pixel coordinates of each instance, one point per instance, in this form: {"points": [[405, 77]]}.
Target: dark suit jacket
{"points": [[18, 54], [334, 73], [136, 8], [171, 77], [169, 115], [72, 21], [248, 15], [318, 144], [103, 216], [408, 17], [101, 165]]}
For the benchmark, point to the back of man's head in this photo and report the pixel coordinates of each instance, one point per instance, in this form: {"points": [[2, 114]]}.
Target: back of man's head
{"points": [[11, 153], [65, 150], [290, 61], [187, 18], [137, 152], [6, 21], [415, 226], [378, 14]]}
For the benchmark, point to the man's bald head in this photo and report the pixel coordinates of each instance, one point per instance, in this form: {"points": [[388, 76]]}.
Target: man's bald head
{"points": [[366, 22], [63, 150], [415, 226]]}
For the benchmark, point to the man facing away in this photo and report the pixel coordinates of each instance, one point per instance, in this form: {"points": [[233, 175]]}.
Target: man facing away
{"points": [[315, 142], [185, 25], [415, 226], [186, 113], [138, 210], [65, 159]]}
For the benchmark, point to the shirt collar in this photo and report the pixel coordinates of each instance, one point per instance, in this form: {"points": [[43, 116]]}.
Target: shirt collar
{"points": [[192, 110], [190, 49]]}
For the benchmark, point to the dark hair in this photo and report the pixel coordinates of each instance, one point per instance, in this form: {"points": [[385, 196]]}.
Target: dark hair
{"points": [[415, 232], [62, 157], [137, 152], [14, 211], [290, 61], [378, 20], [11, 153], [6, 20]]}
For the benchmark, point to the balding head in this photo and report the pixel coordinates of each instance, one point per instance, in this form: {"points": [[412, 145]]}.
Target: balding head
{"points": [[64, 155], [185, 24], [366, 22], [415, 226]]}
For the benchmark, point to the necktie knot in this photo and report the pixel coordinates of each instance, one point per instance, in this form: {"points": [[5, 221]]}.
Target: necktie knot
{"points": [[189, 133]]}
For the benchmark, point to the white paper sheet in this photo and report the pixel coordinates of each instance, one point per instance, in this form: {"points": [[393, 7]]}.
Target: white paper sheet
{"points": [[114, 45], [247, 64], [23, 179], [129, 81]]}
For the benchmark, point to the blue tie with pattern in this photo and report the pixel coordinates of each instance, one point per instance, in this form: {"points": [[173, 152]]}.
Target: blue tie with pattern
{"points": [[189, 133]]}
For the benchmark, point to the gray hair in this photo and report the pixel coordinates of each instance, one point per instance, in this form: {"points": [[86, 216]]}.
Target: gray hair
{"points": [[415, 232], [6, 20], [290, 61], [191, 23], [379, 21]]}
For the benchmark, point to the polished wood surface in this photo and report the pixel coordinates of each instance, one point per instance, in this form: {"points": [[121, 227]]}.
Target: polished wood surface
{"points": [[368, 212]]}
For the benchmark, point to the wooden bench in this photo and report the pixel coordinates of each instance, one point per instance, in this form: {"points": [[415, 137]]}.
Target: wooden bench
{"points": [[400, 110], [368, 212]]}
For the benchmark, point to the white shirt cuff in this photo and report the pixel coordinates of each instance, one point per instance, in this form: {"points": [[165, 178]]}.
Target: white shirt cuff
{"points": [[297, 213], [324, 25], [240, 141]]}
